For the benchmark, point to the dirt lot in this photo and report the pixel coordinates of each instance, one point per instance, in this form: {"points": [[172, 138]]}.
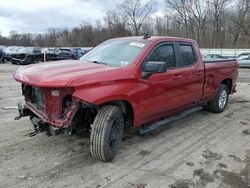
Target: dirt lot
{"points": [[202, 150]]}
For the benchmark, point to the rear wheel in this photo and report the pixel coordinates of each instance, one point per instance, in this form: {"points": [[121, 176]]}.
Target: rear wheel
{"points": [[106, 134], [219, 103]]}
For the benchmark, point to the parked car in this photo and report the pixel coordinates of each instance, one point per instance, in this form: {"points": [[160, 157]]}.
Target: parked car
{"points": [[2, 47], [215, 56], [27, 55], [244, 62], [66, 53], [79, 52], [242, 55], [130, 84], [53, 51], [9, 51], [52, 54], [2, 54]]}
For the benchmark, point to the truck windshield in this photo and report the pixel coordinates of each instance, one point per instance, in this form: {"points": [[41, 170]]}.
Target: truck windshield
{"points": [[116, 53]]}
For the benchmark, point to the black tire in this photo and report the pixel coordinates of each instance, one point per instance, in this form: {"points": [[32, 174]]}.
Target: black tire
{"points": [[13, 62], [219, 103], [2, 60], [106, 134]]}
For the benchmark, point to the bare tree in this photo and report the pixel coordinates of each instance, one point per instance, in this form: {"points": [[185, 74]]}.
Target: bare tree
{"points": [[219, 14], [240, 20], [51, 36], [191, 15], [162, 25], [179, 13], [136, 13], [212, 23], [198, 14], [117, 24]]}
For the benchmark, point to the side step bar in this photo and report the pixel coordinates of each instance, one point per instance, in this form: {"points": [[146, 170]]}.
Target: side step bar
{"points": [[167, 121]]}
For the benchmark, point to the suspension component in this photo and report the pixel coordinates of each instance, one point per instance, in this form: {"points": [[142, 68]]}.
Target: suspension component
{"points": [[23, 111]]}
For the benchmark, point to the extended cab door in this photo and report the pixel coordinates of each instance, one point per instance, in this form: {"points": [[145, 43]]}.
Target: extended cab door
{"points": [[191, 73], [180, 87]]}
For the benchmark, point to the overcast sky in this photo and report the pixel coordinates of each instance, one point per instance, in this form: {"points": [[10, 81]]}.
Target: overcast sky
{"points": [[36, 16]]}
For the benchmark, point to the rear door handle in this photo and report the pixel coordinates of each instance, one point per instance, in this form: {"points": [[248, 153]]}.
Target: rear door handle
{"points": [[177, 76]]}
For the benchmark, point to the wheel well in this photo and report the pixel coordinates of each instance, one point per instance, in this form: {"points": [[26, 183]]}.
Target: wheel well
{"points": [[127, 110], [87, 112], [228, 83]]}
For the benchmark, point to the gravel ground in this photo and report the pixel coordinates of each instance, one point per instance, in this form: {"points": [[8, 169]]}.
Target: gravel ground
{"points": [[202, 150]]}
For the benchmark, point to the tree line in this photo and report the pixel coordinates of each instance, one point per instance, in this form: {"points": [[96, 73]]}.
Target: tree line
{"points": [[212, 23]]}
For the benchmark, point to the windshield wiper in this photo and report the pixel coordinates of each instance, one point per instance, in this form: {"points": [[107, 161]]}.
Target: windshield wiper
{"points": [[98, 62]]}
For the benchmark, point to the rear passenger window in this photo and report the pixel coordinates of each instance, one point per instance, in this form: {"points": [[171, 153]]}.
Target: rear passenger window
{"points": [[164, 53], [187, 54]]}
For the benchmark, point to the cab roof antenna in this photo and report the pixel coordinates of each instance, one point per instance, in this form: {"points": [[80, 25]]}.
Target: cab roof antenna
{"points": [[146, 36]]}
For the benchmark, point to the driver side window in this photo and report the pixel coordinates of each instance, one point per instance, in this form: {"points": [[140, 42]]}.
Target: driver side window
{"points": [[164, 53]]}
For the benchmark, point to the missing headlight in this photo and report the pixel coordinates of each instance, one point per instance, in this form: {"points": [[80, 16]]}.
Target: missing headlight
{"points": [[67, 101]]}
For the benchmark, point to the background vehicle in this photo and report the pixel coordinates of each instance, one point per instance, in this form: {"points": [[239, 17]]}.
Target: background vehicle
{"points": [[2, 54], [68, 53], [51, 54], [79, 52], [10, 50], [125, 84], [2, 47], [244, 61], [27, 55], [243, 55], [215, 56]]}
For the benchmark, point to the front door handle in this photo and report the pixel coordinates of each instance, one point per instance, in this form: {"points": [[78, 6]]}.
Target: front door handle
{"points": [[197, 73]]}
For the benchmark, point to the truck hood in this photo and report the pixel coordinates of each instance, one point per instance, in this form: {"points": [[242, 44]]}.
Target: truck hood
{"points": [[67, 73]]}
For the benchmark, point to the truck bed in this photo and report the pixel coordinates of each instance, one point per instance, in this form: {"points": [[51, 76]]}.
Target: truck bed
{"points": [[215, 71], [213, 60]]}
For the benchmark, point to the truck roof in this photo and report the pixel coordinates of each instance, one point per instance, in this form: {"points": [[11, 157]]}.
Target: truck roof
{"points": [[155, 38]]}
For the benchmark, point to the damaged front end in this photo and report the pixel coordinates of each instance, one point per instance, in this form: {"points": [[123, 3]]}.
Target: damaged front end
{"points": [[50, 109]]}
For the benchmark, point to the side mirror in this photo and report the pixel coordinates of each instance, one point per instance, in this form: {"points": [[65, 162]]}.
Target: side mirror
{"points": [[152, 67], [155, 67]]}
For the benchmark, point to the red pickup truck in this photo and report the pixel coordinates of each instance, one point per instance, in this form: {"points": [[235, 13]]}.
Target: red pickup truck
{"points": [[131, 83]]}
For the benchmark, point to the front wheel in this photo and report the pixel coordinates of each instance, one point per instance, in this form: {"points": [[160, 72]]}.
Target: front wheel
{"points": [[219, 103], [106, 134]]}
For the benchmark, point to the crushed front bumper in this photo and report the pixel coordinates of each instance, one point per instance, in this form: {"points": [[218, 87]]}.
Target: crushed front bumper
{"points": [[30, 109]]}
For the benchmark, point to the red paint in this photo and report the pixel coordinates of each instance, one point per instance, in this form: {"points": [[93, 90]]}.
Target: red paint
{"points": [[162, 94]]}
